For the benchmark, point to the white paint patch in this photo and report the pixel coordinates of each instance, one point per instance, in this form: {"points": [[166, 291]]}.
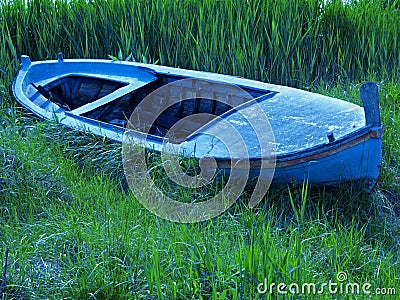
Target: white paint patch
{"points": [[238, 123]]}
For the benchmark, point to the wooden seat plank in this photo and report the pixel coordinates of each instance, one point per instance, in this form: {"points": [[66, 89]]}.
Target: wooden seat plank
{"points": [[110, 97]]}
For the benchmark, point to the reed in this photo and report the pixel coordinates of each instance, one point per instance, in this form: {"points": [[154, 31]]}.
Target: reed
{"points": [[298, 43]]}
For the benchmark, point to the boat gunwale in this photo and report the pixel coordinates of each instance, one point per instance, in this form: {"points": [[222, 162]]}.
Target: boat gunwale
{"points": [[316, 152], [177, 72]]}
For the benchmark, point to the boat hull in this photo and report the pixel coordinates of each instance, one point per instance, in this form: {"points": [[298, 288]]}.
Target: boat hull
{"points": [[354, 154], [359, 163]]}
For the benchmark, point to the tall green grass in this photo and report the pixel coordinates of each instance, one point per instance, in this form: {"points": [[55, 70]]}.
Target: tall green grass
{"points": [[292, 42], [74, 233]]}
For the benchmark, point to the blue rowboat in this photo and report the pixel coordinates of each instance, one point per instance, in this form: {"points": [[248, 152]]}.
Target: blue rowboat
{"points": [[315, 138]]}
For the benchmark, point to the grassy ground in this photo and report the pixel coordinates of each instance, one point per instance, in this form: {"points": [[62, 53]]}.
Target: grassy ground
{"points": [[74, 231]]}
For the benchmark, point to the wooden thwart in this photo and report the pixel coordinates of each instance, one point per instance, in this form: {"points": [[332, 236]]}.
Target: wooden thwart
{"points": [[110, 97]]}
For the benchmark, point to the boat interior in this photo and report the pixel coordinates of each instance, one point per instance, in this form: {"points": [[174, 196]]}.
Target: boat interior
{"points": [[113, 101]]}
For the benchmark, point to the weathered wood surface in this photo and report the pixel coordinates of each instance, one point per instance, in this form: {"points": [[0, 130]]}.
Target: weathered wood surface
{"points": [[370, 98], [110, 97]]}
